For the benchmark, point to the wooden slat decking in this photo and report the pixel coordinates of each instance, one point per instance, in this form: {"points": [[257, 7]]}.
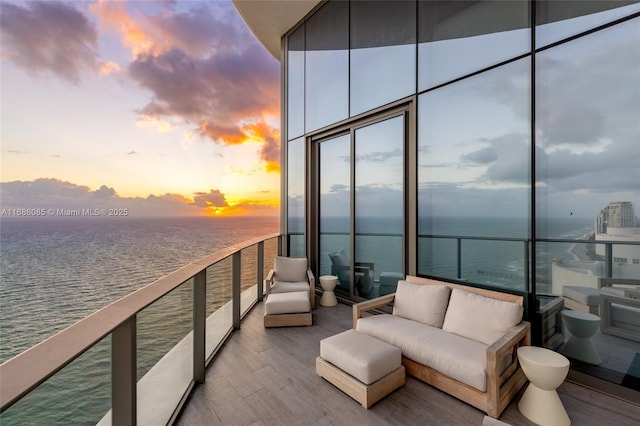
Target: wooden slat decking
{"points": [[267, 377]]}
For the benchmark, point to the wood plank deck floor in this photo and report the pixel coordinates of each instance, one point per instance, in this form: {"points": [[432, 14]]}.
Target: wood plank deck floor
{"points": [[267, 377]]}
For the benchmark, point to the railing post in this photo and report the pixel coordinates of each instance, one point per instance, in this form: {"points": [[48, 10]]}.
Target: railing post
{"points": [[260, 271], [235, 288], [459, 243], [124, 373], [608, 257], [527, 271], [199, 325]]}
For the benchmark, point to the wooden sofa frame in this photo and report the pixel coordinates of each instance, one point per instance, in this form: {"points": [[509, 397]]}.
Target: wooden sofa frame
{"points": [[501, 388]]}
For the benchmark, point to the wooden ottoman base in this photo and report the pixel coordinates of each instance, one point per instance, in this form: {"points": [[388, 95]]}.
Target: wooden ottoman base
{"points": [[366, 395], [288, 320]]}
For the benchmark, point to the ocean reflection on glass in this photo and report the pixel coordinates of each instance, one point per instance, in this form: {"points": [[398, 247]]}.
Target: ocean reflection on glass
{"points": [[474, 158], [295, 196], [379, 206], [456, 38], [335, 216], [603, 149]]}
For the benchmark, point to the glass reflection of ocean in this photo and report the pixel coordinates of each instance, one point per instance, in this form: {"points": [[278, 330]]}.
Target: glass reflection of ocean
{"points": [[55, 272], [486, 261]]}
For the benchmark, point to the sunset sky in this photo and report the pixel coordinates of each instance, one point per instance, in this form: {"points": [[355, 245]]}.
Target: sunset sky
{"points": [[162, 107]]}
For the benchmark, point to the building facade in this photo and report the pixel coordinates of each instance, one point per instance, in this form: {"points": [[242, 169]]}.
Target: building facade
{"points": [[470, 141]]}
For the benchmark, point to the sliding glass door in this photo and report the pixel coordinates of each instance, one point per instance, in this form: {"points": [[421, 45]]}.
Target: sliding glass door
{"points": [[361, 206]]}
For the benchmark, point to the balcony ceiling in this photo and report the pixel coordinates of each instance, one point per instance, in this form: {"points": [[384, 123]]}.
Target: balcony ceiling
{"points": [[270, 19]]}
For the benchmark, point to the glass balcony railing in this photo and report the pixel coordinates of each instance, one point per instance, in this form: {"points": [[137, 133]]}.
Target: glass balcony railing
{"points": [[152, 345]]}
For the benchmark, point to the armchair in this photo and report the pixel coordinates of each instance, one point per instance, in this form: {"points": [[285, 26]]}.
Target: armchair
{"points": [[291, 274], [340, 267]]}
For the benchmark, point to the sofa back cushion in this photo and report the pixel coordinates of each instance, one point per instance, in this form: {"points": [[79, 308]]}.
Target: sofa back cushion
{"points": [[290, 269], [424, 303], [480, 318]]}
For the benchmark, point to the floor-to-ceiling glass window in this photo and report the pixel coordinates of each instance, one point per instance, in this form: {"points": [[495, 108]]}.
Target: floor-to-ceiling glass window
{"points": [[327, 66], [588, 191], [474, 177], [456, 38], [335, 210], [379, 206], [383, 53], [474, 146], [295, 196]]}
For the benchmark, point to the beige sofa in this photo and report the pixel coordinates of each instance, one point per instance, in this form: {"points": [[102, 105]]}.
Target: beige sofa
{"points": [[462, 340]]}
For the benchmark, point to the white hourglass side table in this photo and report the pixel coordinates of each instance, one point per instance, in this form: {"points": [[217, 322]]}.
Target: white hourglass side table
{"points": [[582, 326], [546, 370], [328, 284]]}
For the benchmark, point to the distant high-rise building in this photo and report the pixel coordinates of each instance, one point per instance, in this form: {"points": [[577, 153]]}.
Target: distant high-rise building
{"points": [[618, 214]]}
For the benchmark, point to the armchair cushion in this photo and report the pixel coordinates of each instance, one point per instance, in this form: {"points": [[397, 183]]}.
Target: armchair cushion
{"points": [[290, 269], [423, 303], [288, 287], [480, 318], [339, 258]]}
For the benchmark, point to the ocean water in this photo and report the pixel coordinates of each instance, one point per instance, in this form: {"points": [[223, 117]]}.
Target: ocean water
{"points": [[54, 272]]}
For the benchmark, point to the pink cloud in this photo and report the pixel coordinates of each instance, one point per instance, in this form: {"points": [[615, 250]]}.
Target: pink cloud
{"points": [[49, 38]]}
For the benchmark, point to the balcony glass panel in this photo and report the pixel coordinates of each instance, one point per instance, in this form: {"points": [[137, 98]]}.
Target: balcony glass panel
{"points": [[438, 257], [456, 38], [379, 207], [295, 84], [219, 307], [327, 66], [383, 53], [165, 354], [80, 391], [557, 20], [335, 209], [474, 160], [295, 196], [248, 278], [588, 156]]}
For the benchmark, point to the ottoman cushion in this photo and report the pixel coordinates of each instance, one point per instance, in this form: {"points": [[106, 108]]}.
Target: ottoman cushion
{"points": [[287, 303], [362, 356]]}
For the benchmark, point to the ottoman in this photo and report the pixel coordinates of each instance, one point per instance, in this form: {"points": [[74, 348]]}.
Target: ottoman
{"points": [[287, 309], [363, 367]]}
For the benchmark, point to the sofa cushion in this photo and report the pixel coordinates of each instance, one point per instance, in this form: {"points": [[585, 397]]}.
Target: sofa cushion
{"points": [[480, 318], [454, 356], [291, 269], [423, 303]]}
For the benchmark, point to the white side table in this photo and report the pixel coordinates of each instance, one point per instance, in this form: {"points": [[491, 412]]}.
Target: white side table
{"points": [[582, 326], [546, 370], [328, 283]]}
